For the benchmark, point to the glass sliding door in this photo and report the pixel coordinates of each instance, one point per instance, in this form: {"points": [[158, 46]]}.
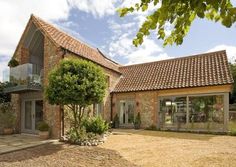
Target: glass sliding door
{"points": [[206, 112], [126, 111], [31, 114], [173, 111], [199, 112], [28, 115], [38, 111]]}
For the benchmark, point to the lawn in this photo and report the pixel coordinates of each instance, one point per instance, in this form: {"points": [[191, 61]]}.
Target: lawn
{"points": [[134, 148]]}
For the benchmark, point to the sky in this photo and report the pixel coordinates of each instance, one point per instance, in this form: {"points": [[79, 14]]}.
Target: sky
{"points": [[97, 23]]}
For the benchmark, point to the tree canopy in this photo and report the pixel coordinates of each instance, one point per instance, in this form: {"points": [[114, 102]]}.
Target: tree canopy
{"points": [[233, 93], [179, 14], [4, 97], [76, 82]]}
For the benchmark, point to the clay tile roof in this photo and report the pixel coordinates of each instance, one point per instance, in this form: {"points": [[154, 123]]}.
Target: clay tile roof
{"points": [[192, 71], [75, 46]]}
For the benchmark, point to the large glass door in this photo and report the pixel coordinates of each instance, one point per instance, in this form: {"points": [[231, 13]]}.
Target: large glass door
{"points": [[38, 111], [32, 113], [28, 121], [173, 112], [126, 112]]}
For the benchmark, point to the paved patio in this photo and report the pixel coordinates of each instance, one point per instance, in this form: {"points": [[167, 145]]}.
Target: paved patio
{"points": [[10, 143]]}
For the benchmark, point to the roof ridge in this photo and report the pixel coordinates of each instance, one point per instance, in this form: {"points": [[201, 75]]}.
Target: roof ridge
{"points": [[41, 22], [176, 58], [99, 50], [66, 33]]}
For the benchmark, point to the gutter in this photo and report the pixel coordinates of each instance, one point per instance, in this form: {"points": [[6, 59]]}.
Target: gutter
{"points": [[62, 115], [111, 94]]}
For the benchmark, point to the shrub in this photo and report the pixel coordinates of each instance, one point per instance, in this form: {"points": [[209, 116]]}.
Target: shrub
{"points": [[4, 97], [151, 127], [232, 133], [7, 115], [116, 122], [42, 126], [13, 63], [95, 125], [76, 136], [137, 121]]}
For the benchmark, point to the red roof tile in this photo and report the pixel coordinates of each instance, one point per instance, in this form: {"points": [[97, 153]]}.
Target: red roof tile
{"points": [[73, 45], [192, 71]]}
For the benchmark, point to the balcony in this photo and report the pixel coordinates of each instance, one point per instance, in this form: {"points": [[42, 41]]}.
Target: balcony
{"points": [[25, 77]]}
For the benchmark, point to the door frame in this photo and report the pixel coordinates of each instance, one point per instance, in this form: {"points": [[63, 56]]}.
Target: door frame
{"points": [[33, 129], [126, 102]]}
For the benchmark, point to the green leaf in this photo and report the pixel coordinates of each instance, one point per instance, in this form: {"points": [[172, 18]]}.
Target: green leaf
{"points": [[180, 14], [144, 7], [227, 22]]}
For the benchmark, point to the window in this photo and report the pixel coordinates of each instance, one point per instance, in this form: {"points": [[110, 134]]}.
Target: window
{"points": [[173, 110], [98, 108], [126, 111], [201, 112], [206, 111]]}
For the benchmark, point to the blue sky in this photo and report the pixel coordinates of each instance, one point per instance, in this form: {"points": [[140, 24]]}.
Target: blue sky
{"points": [[99, 25]]}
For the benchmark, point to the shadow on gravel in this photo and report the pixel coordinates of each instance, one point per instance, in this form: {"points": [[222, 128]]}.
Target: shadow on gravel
{"points": [[30, 153], [65, 155]]}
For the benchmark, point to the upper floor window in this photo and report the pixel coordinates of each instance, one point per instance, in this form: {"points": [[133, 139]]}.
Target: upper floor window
{"points": [[97, 109]]}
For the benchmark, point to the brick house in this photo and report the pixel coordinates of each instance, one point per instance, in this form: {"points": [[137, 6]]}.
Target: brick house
{"points": [[188, 93]]}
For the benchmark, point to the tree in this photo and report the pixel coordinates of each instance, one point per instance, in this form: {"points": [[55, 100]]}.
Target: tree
{"points": [[179, 14], [4, 97], [233, 71], [76, 84]]}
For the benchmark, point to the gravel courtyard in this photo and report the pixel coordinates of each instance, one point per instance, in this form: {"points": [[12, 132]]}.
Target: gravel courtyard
{"points": [[134, 148]]}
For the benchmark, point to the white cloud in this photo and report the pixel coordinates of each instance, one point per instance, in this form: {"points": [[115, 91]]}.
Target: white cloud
{"points": [[120, 44], [15, 14], [3, 65], [230, 50], [96, 7]]}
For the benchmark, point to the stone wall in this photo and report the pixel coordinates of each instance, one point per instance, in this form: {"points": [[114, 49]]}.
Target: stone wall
{"points": [[16, 102], [113, 79], [145, 104], [52, 115], [147, 101], [24, 58]]}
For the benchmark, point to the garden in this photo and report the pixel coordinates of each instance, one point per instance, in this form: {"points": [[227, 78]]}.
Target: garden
{"points": [[77, 85], [7, 114]]}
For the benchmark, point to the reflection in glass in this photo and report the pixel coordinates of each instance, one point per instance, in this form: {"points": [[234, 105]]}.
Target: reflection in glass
{"points": [[206, 112], [28, 116], [126, 112], [173, 111], [38, 111]]}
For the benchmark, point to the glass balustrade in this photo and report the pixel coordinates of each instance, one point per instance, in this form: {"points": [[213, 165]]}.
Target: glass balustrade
{"points": [[25, 77]]}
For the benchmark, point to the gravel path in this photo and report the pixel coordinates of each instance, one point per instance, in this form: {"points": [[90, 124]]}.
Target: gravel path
{"points": [[63, 155], [128, 148], [158, 149]]}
